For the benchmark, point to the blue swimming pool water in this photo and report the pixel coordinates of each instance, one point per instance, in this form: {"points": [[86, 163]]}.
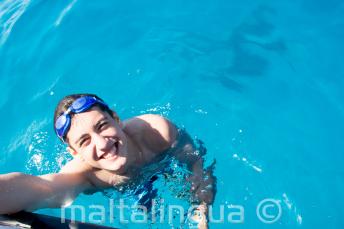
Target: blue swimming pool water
{"points": [[260, 82]]}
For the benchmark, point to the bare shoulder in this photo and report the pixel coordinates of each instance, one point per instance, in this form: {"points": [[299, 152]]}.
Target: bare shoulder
{"points": [[160, 125], [155, 131]]}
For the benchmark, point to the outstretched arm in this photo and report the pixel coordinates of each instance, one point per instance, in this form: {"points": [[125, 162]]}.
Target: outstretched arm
{"points": [[20, 191]]}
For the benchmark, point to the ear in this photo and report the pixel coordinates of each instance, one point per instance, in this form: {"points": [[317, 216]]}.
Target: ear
{"points": [[72, 151]]}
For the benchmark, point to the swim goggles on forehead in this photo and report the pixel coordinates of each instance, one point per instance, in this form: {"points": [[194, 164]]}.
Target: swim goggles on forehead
{"points": [[81, 104]]}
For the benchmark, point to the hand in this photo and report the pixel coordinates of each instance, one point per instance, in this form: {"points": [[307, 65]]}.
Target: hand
{"points": [[200, 216]]}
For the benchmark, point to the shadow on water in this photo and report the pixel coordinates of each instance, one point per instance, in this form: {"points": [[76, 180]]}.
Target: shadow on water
{"points": [[224, 80], [255, 34], [254, 30]]}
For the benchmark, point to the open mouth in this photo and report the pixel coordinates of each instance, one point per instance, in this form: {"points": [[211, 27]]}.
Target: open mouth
{"points": [[113, 152]]}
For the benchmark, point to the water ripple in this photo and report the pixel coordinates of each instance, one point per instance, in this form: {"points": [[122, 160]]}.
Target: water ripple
{"points": [[49, 89], [24, 138], [291, 206], [64, 12], [10, 12]]}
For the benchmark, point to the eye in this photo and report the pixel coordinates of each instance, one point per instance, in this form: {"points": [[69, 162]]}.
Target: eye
{"points": [[102, 125], [83, 142]]}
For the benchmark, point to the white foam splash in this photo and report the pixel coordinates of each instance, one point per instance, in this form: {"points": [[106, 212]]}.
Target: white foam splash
{"points": [[291, 206], [259, 170], [10, 12], [64, 13], [201, 111], [248, 163], [41, 158], [37, 151], [160, 109], [287, 201], [299, 219], [36, 161]]}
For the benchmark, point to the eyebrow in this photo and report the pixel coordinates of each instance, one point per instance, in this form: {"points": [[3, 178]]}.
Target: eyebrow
{"points": [[95, 126]]}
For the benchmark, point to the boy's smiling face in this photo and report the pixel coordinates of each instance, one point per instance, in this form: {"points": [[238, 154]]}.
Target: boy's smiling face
{"points": [[98, 139]]}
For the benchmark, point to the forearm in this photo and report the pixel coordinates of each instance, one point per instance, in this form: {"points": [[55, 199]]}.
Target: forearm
{"points": [[203, 190], [203, 183], [20, 191]]}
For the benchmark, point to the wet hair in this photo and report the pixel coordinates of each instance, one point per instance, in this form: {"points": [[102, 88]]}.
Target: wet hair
{"points": [[67, 101]]}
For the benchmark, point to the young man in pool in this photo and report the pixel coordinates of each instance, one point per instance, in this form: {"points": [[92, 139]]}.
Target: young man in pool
{"points": [[107, 152]]}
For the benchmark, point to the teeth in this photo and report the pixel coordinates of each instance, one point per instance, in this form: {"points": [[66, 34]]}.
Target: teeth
{"points": [[112, 153], [107, 155]]}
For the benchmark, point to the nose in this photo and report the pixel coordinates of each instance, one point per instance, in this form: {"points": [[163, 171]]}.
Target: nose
{"points": [[102, 144]]}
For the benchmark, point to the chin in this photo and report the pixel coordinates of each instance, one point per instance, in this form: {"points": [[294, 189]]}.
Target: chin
{"points": [[118, 165]]}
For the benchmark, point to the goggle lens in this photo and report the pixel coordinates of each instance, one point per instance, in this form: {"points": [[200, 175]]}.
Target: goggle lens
{"points": [[81, 104]]}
